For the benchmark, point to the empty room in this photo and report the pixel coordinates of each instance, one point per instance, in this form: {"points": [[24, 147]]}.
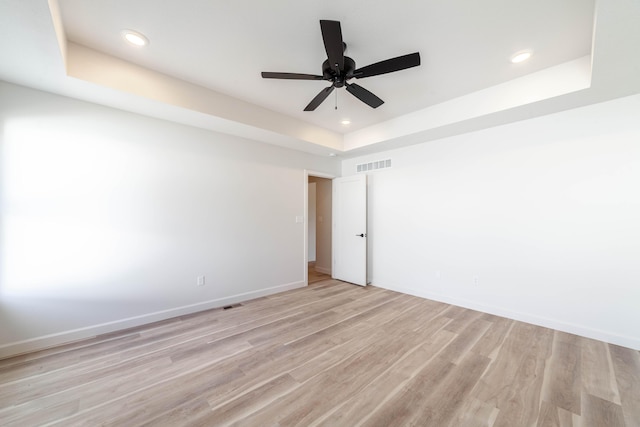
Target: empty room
{"points": [[279, 213]]}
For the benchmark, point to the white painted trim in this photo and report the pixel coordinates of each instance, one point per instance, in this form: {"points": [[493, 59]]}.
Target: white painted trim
{"points": [[320, 174], [47, 341], [546, 322]]}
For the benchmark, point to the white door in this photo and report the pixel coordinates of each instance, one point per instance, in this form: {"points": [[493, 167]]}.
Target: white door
{"points": [[350, 229]]}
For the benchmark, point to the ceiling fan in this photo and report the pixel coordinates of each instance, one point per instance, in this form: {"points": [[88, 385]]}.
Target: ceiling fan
{"points": [[338, 69]]}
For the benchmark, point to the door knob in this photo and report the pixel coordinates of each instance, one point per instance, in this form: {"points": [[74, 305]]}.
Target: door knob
{"points": [[360, 235]]}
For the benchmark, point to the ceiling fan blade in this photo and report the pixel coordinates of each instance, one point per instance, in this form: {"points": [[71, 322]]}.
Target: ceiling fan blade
{"points": [[319, 98], [364, 95], [332, 37], [388, 66], [290, 76]]}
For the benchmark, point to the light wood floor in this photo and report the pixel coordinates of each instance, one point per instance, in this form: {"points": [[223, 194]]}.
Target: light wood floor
{"points": [[314, 276], [331, 354]]}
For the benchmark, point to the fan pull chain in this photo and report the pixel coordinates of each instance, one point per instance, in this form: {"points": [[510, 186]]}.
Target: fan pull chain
{"points": [[336, 99]]}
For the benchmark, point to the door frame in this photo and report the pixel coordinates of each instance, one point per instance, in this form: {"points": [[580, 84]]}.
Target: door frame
{"points": [[307, 174]]}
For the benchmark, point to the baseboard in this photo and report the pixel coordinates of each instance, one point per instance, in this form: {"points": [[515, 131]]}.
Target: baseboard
{"points": [[597, 334], [66, 337], [323, 270]]}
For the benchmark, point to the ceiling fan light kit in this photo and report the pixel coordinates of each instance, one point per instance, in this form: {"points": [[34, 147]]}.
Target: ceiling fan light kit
{"points": [[339, 69]]}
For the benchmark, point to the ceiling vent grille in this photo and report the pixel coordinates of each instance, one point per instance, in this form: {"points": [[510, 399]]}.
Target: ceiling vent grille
{"points": [[372, 166]]}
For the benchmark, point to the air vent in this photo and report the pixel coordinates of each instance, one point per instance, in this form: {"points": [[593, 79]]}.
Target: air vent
{"points": [[372, 166]]}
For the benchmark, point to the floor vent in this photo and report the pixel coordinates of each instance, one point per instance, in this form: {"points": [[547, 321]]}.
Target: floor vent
{"points": [[228, 307], [372, 166]]}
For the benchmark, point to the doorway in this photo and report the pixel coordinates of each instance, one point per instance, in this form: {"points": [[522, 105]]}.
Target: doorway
{"points": [[319, 226]]}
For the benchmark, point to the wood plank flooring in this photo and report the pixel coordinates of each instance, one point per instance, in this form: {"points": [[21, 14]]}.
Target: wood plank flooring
{"points": [[331, 354]]}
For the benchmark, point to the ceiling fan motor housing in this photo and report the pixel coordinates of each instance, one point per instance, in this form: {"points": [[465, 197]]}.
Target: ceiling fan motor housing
{"points": [[338, 78]]}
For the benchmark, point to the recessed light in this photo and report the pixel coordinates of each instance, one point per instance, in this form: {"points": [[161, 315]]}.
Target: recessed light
{"points": [[521, 56], [345, 122], [135, 38], [332, 154]]}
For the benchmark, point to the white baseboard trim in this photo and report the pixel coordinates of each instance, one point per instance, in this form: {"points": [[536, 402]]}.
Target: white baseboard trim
{"points": [[66, 337], [323, 270], [597, 334]]}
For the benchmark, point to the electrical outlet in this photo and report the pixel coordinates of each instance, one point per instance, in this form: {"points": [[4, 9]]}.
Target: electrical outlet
{"points": [[475, 280], [200, 281]]}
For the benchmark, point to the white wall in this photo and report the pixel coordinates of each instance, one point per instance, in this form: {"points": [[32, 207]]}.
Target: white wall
{"points": [[537, 220], [107, 218]]}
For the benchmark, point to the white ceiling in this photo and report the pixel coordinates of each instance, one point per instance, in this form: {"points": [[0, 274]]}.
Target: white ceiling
{"points": [[222, 46]]}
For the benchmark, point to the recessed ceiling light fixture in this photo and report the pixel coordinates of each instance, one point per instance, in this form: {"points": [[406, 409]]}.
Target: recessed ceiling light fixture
{"points": [[332, 154], [521, 56], [135, 38], [345, 122]]}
